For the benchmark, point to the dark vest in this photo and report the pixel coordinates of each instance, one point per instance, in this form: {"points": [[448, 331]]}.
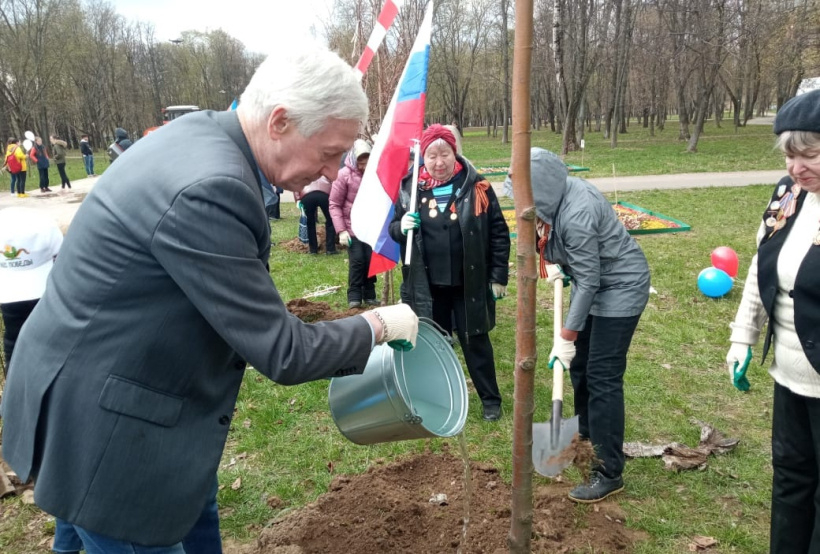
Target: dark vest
{"points": [[806, 292]]}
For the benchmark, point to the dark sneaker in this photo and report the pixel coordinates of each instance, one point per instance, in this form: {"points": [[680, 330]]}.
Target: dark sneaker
{"points": [[599, 487], [354, 304], [372, 302], [332, 252], [492, 413]]}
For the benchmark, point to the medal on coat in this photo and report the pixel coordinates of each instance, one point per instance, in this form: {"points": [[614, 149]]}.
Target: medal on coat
{"points": [[433, 213], [770, 221], [453, 214], [775, 205], [781, 190]]}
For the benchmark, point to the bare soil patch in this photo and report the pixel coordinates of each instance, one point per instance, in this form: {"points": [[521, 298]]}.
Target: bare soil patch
{"points": [[295, 245], [311, 312], [388, 509]]}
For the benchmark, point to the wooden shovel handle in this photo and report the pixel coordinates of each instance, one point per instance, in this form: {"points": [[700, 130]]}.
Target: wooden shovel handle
{"points": [[557, 323]]}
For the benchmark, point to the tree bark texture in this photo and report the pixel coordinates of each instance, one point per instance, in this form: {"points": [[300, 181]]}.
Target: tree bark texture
{"points": [[520, 535]]}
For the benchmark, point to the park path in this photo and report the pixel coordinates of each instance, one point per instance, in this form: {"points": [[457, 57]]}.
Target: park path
{"points": [[62, 205]]}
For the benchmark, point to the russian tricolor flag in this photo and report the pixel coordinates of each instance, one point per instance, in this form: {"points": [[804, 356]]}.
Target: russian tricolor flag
{"points": [[373, 208]]}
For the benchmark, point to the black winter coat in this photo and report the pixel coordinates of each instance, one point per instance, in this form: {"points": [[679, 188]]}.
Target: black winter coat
{"points": [[486, 247]]}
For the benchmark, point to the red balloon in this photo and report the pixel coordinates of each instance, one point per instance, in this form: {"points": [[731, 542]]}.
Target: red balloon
{"points": [[725, 258]]}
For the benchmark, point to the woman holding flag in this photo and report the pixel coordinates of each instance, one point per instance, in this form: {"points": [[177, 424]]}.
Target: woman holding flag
{"points": [[460, 255]]}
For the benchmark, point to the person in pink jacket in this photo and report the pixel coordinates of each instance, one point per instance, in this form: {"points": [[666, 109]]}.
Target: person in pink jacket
{"points": [[361, 289]]}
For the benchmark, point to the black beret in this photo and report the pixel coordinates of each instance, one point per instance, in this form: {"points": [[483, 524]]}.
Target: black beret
{"points": [[801, 113]]}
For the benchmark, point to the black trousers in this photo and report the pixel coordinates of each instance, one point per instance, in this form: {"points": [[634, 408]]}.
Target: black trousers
{"points": [[597, 374], [14, 315], [795, 524], [311, 202], [43, 177], [449, 310], [63, 177], [274, 210], [359, 285]]}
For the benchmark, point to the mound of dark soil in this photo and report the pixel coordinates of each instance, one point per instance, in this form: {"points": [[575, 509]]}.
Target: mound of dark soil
{"points": [[389, 509], [311, 312]]}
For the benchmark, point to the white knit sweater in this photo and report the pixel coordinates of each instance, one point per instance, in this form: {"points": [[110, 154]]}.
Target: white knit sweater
{"points": [[790, 367]]}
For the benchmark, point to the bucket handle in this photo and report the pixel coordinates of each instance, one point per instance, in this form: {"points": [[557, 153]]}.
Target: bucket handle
{"points": [[447, 336], [413, 417]]}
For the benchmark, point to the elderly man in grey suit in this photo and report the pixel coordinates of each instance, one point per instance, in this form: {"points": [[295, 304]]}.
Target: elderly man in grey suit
{"points": [[124, 380]]}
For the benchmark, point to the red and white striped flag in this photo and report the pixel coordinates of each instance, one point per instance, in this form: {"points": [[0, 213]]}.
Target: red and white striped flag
{"points": [[386, 17]]}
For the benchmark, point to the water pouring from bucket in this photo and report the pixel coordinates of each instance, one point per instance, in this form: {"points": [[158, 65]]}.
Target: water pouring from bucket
{"points": [[403, 395]]}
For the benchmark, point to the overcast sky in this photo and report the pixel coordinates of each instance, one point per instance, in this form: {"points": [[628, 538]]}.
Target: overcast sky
{"points": [[254, 22]]}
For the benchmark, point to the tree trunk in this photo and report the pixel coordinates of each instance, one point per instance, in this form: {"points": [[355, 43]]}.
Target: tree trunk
{"points": [[519, 538], [505, 45]]}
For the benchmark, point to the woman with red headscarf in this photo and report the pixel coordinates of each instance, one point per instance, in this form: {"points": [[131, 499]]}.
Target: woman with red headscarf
{"points": [[460, 255]]}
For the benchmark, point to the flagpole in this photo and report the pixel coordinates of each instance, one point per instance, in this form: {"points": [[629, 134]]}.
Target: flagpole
{"points": [[413, 199]]}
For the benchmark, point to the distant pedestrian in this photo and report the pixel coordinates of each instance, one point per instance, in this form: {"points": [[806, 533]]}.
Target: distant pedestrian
{"points": [[39, 156], [88, 156], [58, 145], [120, 144], [15, 163]]}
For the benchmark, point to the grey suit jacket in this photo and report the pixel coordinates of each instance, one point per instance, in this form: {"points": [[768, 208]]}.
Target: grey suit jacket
{"points": [[124, 378]]}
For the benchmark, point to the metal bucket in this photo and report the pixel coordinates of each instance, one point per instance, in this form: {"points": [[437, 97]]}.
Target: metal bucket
{"points": [[403, 395]]}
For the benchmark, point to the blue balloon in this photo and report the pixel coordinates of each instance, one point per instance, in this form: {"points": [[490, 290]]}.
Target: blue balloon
{"points": [[714, 282]]}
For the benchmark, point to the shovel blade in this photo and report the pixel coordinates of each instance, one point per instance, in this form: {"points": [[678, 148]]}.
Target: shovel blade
{"points": [[552, 449]]}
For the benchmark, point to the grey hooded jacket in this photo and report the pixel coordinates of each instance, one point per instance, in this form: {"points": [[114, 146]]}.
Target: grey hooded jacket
{"points": [[610, 275]]}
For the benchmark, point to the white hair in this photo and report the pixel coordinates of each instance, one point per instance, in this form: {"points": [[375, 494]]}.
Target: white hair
{"points": [[796, 143], [311, 82]]}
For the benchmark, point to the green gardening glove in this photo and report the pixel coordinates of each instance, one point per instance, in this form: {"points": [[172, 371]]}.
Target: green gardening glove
{"points": [[401, 345], [738, 360]]}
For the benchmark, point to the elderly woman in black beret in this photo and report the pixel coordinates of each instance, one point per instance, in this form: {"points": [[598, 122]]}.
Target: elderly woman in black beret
{"points": [[460, 255], [783, 288]]}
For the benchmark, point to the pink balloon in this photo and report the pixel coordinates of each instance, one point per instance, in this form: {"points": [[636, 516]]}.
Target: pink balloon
{"points": [[725, 258]]}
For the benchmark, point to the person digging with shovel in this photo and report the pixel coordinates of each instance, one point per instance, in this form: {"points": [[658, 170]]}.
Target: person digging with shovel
{"points": [[586, 245]]}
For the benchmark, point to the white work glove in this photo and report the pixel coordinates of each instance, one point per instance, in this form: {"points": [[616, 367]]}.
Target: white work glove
{"points": [[737, 360], [499, 291], [554, 273], [563, 351], [400, 326], [344, 238], [409, 221]]}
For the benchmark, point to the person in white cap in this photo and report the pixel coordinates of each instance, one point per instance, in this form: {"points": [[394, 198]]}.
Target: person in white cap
{"points": [[30, 240]]}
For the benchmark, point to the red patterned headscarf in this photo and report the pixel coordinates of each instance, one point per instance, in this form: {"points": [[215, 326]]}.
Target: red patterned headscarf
{"points": [[435, 132]]}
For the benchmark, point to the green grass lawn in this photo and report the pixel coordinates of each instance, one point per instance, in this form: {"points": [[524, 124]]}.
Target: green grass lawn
{"points": [[283, 440], [639, 154]]}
